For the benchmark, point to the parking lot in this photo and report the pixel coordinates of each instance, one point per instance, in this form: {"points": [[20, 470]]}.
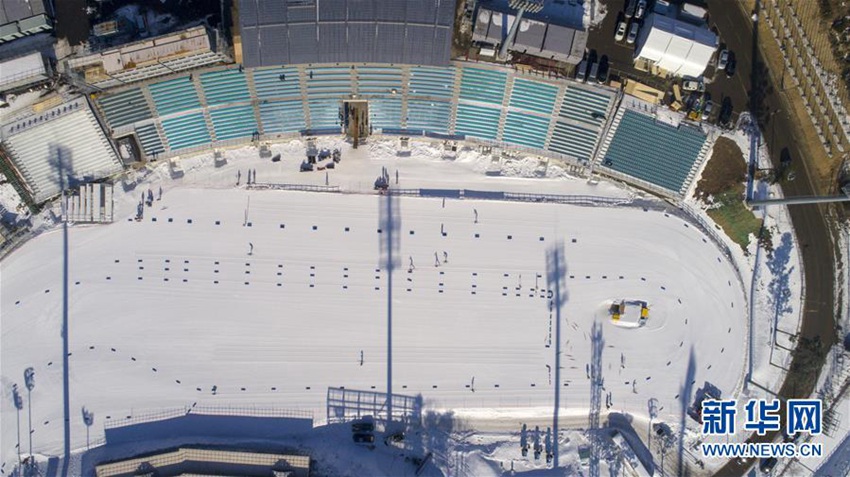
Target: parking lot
{"points": [[718, 85]]}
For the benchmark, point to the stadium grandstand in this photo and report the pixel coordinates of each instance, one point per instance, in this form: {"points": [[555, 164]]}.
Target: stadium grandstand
{"points": [[172, 104]]}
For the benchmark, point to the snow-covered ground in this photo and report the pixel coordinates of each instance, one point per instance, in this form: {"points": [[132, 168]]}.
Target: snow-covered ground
{"points": [[161, 311]]}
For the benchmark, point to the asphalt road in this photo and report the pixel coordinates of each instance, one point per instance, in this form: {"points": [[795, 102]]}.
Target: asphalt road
{"points": [[753, 86]]}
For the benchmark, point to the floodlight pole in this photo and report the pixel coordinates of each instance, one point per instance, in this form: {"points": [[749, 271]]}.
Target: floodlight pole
{"points": [[389, 215]]}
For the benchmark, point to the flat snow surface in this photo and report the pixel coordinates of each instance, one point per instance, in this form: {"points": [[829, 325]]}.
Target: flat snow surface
{"points": [[162, 311]]}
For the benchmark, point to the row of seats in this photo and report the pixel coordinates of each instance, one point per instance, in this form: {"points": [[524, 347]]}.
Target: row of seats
{"points": [[654, 152], [329, 82], [150, 140], [185, 131], [434, 116], [225, 86], [233, 122], [483, 85], [378, 80], [276, 82], [438, 82], [525, 129], [533, 96], [280, 117], [477, 121], [573, 141], [324, 114], [585, 106], [125, 107], [174, 96], [385, 113]]}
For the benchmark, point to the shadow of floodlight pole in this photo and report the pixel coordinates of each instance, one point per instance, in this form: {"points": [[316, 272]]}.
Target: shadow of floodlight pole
{"points": [[389, 225], [29, 381], [19, 404], [61, 162], [555, 270]]}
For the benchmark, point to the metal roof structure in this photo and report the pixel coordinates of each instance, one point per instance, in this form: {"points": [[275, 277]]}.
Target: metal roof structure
{"points": [[14, 10], [677, 47], [20, 18], [534, 37], [281, 32]]}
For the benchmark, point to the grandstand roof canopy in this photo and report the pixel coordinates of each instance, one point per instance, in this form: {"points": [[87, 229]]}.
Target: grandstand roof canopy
{"points": [[680, 48], [280, 32]]}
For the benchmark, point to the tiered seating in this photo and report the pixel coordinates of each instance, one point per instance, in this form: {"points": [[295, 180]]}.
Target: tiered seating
{"points": [[381, 81], [533, 96], [225, 86], [150, 140], [282, 116], [437, 82], [433, 116], [174, 96], [186, 131], [585, 106], [126, 107], [324, 114], [477, 121], [329, 82], [525, 130], [483, 85], [573, 141], [653, 151], [233, 122], [385, 113], [277, 83]]}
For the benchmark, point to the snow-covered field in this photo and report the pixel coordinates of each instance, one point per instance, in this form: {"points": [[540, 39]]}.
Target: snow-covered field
{"points": [[163, 311]]}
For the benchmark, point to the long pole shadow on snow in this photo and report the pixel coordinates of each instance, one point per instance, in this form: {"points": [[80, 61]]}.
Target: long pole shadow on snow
{"points": [[556, 269], [684, 400], [597, 383], [61, 162], [389, 226]]}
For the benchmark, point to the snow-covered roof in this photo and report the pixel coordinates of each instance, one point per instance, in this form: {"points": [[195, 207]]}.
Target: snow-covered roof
{"points": [[675, 46], [22, 71], [68, 134]]}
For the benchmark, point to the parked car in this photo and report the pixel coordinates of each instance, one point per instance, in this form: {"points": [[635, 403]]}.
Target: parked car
{"points": [[594, 72], [603, 70], [706, 111], [767, 465], [731, 65], [620, 35], [633, 31], [692, 85], [630, 8], [581, 71], [641, 9], [723, 60], [725, 117]]}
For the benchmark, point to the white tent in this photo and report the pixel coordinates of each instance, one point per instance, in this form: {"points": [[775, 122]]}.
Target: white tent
{"points": [[675, 46]]}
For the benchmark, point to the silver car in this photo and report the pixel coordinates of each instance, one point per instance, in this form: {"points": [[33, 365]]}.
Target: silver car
{"points": [[633, 31]]}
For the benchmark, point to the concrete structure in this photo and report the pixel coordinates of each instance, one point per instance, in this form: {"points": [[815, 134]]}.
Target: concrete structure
{"points": [[19, 18], [23, 72], [147, 59], [534, 37], [275, 32], [190, 461], [675, 47]]}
